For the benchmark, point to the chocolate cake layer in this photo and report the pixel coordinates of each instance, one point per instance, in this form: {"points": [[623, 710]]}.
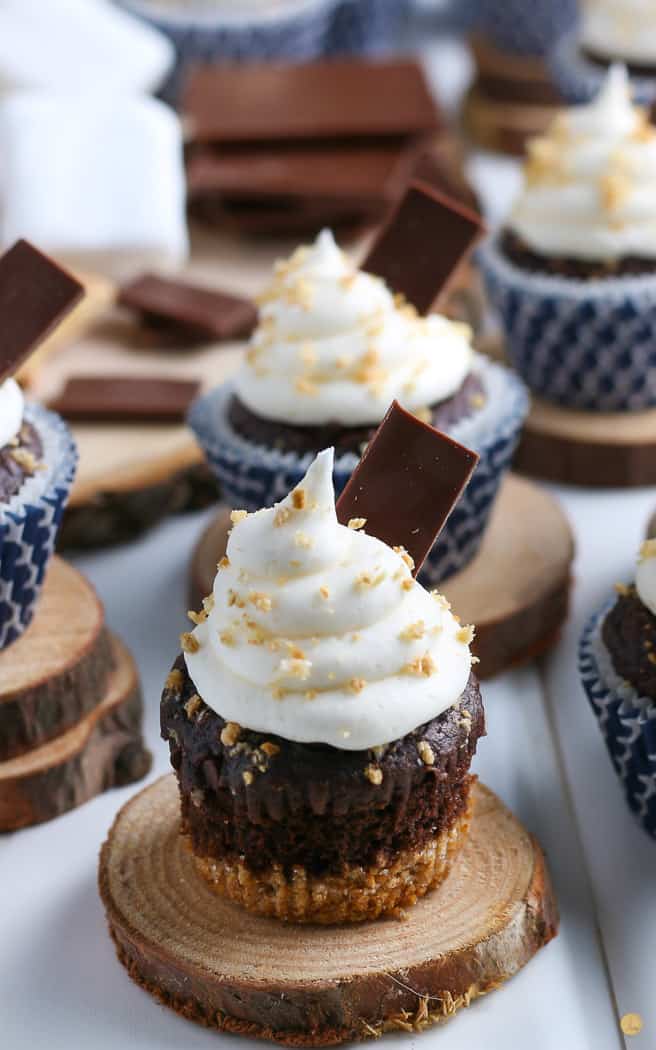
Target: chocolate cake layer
{"points": [[268, 800], [303, 439], [581, 269], [17, 461], [634, 69], [629, 633]]}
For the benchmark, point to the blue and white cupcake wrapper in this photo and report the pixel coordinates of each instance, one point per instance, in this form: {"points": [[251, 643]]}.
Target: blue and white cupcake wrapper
{"points": [[627, 721], [519, 27], [297, 35], [252, 476], [30, 521], [366, 26], [587, 345], [579, 79]]}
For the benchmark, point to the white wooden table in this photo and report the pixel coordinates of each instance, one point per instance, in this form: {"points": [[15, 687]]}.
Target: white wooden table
{"points": [[60, 984]]}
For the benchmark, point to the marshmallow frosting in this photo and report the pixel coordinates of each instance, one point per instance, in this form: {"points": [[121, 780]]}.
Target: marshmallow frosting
{"points": [[621, 29], [646, 575], [317, 632], [590, 183], [12, 404], [334, 345]]}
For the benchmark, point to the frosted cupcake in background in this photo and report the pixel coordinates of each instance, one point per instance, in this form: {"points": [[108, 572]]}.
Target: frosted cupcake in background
{"points": [[322, 719], [334, 347], [617, 662], [573, 272], [38, 456], [609, 31]]}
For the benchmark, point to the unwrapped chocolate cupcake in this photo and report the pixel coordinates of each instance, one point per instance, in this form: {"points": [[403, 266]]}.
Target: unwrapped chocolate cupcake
{"points": [[617, 662], [573, 272], [333, 348], [610, 31], [322, 719]]}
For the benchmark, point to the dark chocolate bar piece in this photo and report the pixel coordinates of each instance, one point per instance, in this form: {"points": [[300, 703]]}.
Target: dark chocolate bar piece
{"points": [[35, 295], [420, 248], [204, 313], [407, 483], [123, 399], [340, 98]]}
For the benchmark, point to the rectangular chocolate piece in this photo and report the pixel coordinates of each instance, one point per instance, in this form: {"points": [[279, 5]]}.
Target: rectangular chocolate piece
{"points": [[202, 312], [423, 244], [126, 399], [35, 295], [341, 98], [407, 483], [337, 172]]}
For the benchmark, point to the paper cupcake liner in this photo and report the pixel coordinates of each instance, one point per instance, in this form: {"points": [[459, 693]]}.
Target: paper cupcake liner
{"points": [[297, 34], [583, 344], [30, 521], [366, 26], [627, 721], [252, 476], [523, 28], [579, 79]]}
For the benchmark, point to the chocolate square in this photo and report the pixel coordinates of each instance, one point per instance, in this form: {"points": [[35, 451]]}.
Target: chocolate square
{"points": [[203, 313], [126, 399]]}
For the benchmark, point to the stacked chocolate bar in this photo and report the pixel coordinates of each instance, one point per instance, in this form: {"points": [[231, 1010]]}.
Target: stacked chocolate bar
{"points": [[291, 148]]}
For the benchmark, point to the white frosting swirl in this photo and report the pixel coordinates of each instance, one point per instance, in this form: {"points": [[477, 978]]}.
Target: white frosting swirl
{"points": [[334, 345], [318, 633], [590, 183], [12, 404], [646, 575], [621, 29]]}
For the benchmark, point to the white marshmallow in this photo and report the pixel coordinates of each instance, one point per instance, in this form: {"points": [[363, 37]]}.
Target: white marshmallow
{"points": [[79, 45], [96, 181]]}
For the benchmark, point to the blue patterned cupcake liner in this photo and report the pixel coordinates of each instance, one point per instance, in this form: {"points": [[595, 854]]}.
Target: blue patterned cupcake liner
{"points": [[297, 32], [627, 721], [366, 26], [580, 79], [252, 476], [518, 27], [587, 345], [29, 523]]}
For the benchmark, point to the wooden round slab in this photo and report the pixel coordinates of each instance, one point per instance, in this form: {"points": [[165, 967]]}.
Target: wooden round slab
{"points": [[319, 985], [54, 673], [516, 590], [104, 749], [595, 449]]}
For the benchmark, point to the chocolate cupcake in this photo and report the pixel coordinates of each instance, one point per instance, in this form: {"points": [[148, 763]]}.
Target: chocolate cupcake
{"points": [[322, 719], [573, 273], [617, 662], [333, 348], [610, 31]]}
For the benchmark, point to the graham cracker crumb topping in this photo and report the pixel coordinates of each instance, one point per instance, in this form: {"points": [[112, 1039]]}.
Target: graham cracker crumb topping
{"points": [[374, 774], [189, 642], [230, 734], [426, 753], [357, 523]]}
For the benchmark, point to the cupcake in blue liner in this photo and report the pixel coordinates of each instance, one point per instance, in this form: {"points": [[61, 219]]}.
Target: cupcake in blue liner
{"points": [[366, 26], [333, 348], [521, 28], [573, 272], [37, 467], [610, 31], [617, 663], [220, 30]]}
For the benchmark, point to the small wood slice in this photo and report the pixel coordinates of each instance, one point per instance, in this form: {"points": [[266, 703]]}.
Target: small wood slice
{"points": [[53, 675], [104, 749], [595, 449], [216, 964], [516, 590]]}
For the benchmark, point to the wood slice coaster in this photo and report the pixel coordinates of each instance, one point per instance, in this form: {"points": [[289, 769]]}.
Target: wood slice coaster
{"points": [[595, 449], [104, 749], [55, 672], [516, 589], [216, 964]]}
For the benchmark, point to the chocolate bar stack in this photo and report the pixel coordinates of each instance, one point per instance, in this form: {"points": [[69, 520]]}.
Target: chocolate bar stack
{"points": [[287, 149]]}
